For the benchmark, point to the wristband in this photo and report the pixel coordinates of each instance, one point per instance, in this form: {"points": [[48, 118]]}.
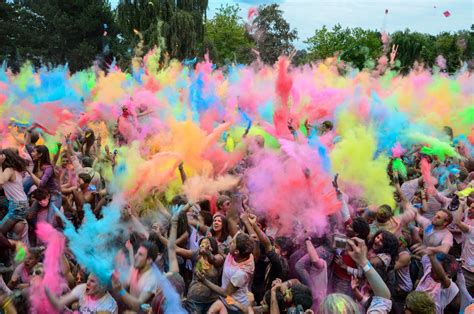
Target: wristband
{"points": [[122, 292], [197, 227], [367, 267]]}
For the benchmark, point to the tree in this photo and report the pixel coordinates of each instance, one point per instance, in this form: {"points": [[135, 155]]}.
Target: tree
{"points": [[58, 32], [226, 37], [176, 26], [354, 45], [278, 37]]}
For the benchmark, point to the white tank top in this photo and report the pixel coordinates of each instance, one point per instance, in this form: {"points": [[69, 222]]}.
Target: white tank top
{"points": [[14, 189]]}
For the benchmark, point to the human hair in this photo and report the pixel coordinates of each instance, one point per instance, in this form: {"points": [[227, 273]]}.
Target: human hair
{"points": [[40, 194], [224, 231], [302, 296], [45, 158], [338, 303], [206, 217], [213, 242], [384, 213], [221, 199], [280, 300], [152, 249], [390, 245], [449, 263], [87, 162], [328, 125], [85, 177], [179, 200], [361, 228], [13, 160], [244, 244], [34, 137], [420, 303], [449, 217], [285, 244]]}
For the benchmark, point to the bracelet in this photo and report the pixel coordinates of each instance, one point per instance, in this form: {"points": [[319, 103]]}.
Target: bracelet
{"points": [[197, 227], [367, 267], [122, 292]]}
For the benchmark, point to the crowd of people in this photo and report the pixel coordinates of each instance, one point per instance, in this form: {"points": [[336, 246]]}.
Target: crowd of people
{"points": [[199, 191], [416, 257]]}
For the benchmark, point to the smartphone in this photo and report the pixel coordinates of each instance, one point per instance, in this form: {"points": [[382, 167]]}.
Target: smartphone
{"points": [[340, 241]]}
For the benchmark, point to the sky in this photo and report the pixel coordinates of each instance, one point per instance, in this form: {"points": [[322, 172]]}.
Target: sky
{"points": [[418, 15]]}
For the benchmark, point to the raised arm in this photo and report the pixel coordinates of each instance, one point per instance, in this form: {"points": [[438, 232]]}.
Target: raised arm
{"points": [[313, 255], [459, 215], [174, 267], [59, 303], [358, 253], [438, 270]]}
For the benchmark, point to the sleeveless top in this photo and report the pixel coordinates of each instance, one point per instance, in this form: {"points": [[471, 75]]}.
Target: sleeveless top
{"points": [[14, 189]]}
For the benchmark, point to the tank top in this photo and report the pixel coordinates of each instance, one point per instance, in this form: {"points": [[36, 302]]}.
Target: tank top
{"points": [[14, 189]]}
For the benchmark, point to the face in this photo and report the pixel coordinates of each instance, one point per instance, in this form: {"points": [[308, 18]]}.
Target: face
{"points": [[35, 155], [378, 241], [217, 224], [470, 213], [439, 219], [205, 244], [141, 258], [350, 231], [64, 162], [225, 206], [30, 261], [92, 286], [44, 202]]}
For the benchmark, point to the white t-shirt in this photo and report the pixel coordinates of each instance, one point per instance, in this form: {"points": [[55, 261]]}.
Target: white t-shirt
{"points": [[379, 305], [239, 274], [146, 282], [433, 237], [467, 253], [89, 305], [441, 297]]}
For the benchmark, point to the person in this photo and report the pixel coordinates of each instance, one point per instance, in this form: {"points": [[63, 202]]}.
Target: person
{"points": [[12, 167], [467, 252], [142, 283], [436, 280], [341, 280], [21, 275], [237, 273], [86, 166], [312, 271], [276, 254], [92, 297], [219, 230], [341, 303], [418, 302], [208, 261], [44, 176]]}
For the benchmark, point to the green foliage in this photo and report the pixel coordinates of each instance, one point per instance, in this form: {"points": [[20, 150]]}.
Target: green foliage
{"points": [[354, 45], [177, 27], [226, 37], [56, 32], [277, 36]]}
